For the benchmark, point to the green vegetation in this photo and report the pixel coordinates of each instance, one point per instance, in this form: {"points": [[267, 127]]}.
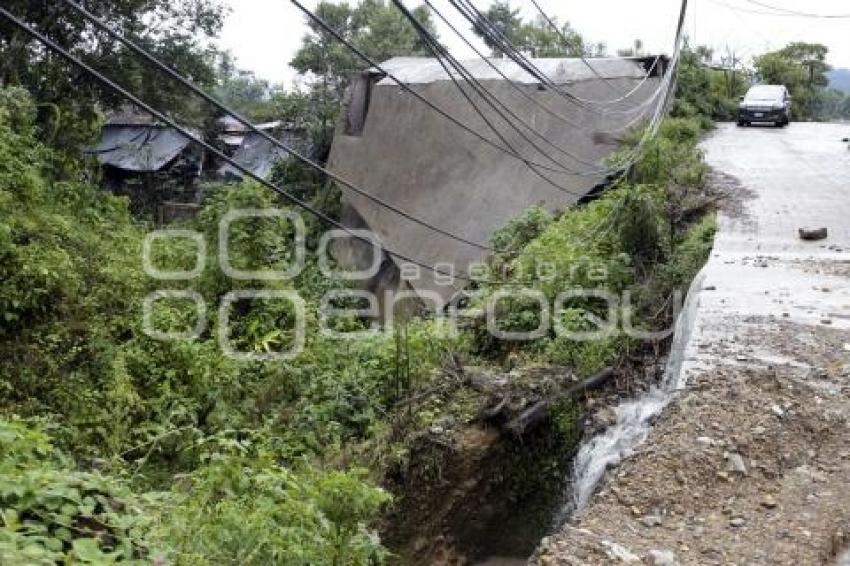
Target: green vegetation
{"points": [[802, 68], [73, 352], [117, 447], [707, 92], [171, 449], [629, 240], [377, 28], [68, 108], [535, 37], [706, 89]]}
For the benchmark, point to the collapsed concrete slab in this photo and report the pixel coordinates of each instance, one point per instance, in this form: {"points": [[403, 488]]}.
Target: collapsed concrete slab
{"points": [[398, 149]]}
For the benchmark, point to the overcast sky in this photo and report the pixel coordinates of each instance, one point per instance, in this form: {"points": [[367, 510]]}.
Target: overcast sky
{"points": [[264, 34]]}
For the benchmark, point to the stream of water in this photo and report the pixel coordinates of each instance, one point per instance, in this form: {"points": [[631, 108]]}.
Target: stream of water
{"points": [[634, 417]]}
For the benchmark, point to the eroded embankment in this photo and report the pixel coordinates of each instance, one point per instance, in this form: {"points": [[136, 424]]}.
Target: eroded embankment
{"points": [[749, 464], [498, 471], [484, 459]]}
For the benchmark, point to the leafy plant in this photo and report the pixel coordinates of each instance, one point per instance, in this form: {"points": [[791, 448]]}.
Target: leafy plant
{"points": [[51, 513]]}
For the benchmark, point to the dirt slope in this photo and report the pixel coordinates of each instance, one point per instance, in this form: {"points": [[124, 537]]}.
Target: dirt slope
{"points": [[750, 464]]}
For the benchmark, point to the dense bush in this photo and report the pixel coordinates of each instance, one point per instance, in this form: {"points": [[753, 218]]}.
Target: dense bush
{"points": [[617, 243], [705, 93], [173, 451], [73, 351], [52, 513], [241, 507]]}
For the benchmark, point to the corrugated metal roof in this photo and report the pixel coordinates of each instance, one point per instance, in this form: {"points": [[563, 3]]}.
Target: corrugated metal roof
{"points": [[139, 148], [231, 125], [260, 156], [130, 117], [232, 139], [423, 70]]}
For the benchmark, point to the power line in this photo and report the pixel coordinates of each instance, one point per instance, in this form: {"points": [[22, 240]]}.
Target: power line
{"points": [[790, 12], [487, 121], [175, 75], [477, 19], [52, 45], [753, 11], [49, 43], [487, 95], [377, 66], [437, 48], [245, 122], [522, 92], [492, 32], [439, 52], [565, 40]]}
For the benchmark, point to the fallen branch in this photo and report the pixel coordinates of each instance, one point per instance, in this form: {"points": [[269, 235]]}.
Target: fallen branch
{"points": [[539, 412], [591, 383]]}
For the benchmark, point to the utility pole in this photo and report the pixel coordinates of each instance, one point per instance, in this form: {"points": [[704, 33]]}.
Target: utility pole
{"points": [[811, 65], [730, 63]]}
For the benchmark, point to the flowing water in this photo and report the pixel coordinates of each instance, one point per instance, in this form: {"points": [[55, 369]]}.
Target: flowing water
{"points": [[634, 417]]}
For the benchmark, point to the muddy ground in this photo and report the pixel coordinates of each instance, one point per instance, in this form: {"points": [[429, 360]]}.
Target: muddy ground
{"points": [[750, 463], [750, 466]]}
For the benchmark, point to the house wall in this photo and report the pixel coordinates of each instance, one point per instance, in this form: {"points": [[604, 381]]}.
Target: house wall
{"points": [[427, 166]]}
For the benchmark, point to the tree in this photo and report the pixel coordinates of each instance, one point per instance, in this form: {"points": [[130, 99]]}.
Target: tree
{"points": [[173, 31], [375, 27], [705, 90], [636, 50], [536, 38], [540, 40], [802, 68], [256, 98], [505, 19]]}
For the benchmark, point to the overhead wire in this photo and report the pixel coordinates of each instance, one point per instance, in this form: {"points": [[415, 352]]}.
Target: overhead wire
{"points": [[100, 24], [566, 41], [498, 70], [513, 84], [160, 116], [163, 118], [441, 54], [492, 100], [486, 27], [407, 88], [664, 86], [489, 123], [754, 11], [798, 13], [173, 74], [320, 22], [651, 131], [220, 106], [480, 21]]}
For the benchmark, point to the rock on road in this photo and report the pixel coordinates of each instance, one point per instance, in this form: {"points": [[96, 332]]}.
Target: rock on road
{"points": [[750, 463]]}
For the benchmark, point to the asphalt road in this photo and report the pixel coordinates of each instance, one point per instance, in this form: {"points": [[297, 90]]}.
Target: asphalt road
{"points": [[792, 178]]}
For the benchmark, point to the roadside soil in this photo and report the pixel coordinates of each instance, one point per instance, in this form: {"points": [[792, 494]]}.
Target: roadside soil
{"points": [[750, 463], [750, 466]]}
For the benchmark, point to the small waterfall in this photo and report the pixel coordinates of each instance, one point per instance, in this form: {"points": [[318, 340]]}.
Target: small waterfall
{"points": [[634, 417]]}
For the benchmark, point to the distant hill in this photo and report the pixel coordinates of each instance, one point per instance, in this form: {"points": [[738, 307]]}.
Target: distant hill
{"points": [[840, 79]]}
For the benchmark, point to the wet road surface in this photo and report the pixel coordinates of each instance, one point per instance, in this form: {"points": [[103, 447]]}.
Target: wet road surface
{"points": [[760, 269]]}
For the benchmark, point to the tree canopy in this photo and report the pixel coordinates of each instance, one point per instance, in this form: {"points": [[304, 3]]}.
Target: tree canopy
{"points": [[802, 68], [375, 27], [535, 38], [175, 31]]}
